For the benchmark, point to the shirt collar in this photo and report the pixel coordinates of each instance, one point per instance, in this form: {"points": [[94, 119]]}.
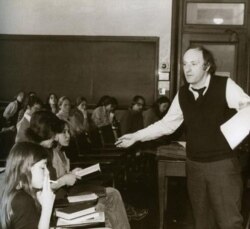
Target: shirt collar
{"points": [[195, 93]]}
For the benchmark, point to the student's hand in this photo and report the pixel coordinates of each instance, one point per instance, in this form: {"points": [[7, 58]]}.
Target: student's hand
{"points": [[46, 197], [126, 141], [69, 179], [74, 171]]}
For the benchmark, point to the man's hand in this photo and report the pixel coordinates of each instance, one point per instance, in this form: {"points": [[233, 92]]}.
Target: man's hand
{"points": [[126, 141]]}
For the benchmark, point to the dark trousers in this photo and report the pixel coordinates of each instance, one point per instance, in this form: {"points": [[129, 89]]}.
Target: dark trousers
{"points": [[215, 190]]}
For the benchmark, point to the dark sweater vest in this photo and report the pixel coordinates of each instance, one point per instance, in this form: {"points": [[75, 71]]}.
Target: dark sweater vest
{"points": [[205, 141]]}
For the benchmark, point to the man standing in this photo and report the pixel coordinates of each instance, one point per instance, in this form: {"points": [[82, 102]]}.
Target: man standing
{"points": [[213, 170]]}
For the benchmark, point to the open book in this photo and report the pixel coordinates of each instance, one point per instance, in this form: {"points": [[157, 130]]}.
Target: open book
{"points": [[91, 169], [236, 129]]}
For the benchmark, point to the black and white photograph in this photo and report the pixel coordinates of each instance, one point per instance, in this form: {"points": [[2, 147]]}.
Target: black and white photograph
{"points": [[125, 114]]}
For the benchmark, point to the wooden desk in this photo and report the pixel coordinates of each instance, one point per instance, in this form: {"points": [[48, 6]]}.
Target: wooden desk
{"points": [[167, 167]]}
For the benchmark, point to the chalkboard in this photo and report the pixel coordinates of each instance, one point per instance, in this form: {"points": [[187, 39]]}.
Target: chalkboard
{"points": [[90, 66]]}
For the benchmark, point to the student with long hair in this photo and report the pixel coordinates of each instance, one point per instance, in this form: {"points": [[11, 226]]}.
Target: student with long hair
{"points": [[27, 199], [51, 103], [157, 111], [103, 115], [81, 112], [64, 105], [77, 125], [132, 119], [53, 133]]}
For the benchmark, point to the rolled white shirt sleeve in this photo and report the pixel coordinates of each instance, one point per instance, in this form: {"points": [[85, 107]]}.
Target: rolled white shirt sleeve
{"points": [[167, 125], [10, 110], [235, 96]]}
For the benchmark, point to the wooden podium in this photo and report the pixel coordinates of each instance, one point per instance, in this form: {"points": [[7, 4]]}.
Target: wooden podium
{"points": [[171, 161]]}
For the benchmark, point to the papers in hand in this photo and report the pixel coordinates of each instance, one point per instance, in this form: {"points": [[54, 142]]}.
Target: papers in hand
{"points": [[89, 170], [95, 217], [82, 197], [237, 128]]}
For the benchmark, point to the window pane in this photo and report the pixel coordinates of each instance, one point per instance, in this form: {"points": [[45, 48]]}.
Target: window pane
{"points": [[215, 13]]}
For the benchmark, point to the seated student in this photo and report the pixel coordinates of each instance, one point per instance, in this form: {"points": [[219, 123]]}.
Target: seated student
{"points": [[53, 133], [64, 106], [104, 113], [66, 113], [156, 112], [11, 111], [24, 107], [76, 124], [132, 119], [81, 113], [51, 103], [34, 104], [26, 198]]}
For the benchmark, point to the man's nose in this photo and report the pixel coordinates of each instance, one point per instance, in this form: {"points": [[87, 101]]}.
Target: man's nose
{"points": [[187, 68]]}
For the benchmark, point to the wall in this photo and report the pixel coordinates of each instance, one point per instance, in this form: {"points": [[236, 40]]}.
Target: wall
{"points": [[90, 17]]}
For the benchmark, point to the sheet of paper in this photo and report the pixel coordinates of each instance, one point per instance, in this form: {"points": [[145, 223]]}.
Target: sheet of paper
{"points": [[237, 128]]}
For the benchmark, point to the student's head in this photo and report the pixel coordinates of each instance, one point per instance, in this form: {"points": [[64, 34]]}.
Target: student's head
{"points": [[44, 128], [20, 96], [110, 103], [198, 62], [161, 105], [81, 103], [64, 104], [138, 103], [101, 100], [25, 170], [63, 137], [52, 99], [34, 104]]}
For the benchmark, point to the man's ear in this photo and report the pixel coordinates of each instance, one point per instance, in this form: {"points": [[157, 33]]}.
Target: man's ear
{"points": [[206, 67]]}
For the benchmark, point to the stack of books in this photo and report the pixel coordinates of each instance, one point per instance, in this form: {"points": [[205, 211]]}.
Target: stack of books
{"points": [[81, 214]]}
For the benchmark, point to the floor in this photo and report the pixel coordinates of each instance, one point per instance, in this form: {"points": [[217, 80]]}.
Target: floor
{"points": [[142, 193]]}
